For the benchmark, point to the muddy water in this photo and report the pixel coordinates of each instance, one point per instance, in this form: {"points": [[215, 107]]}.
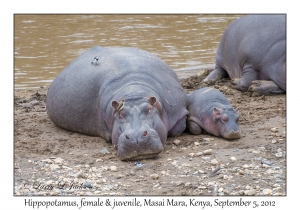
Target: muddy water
{"points": [[45, 44]]}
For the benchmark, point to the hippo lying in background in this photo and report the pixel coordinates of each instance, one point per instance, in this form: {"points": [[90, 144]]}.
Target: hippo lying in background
{"points": [[210, 110], [252, 52], [124, 95]]}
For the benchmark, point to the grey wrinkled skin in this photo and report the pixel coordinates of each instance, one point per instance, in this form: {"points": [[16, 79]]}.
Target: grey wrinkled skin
{"points": [[252, 52], [124, 95], [209, 110]]}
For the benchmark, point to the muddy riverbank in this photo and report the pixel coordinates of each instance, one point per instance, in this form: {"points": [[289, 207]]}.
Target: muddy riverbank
{"points": [[68, 163]]}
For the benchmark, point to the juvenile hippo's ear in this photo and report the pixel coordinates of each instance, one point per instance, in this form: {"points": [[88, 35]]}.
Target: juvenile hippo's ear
{"points": [[216, 113]]}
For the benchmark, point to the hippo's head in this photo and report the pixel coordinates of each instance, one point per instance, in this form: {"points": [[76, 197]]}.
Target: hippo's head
{"points": [[225, 120], [138, 131]]}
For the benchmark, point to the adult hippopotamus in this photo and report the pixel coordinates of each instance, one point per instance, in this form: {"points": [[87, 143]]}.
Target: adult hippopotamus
{"points": [[124, 95], [209, 110], [252, 52]]}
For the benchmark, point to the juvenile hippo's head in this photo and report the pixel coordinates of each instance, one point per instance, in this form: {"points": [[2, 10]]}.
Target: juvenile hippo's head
{"points": [[138, 131], [225, 122]]}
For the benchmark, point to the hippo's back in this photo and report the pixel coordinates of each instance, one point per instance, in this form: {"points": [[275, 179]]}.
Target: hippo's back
{"points": [[78, 97], [206, 96]]}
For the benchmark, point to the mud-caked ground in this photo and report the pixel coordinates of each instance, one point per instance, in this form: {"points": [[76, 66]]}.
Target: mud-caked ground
{"points": [[52, 161]]}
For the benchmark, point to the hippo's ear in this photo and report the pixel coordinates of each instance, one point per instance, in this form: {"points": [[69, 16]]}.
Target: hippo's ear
{"points": [[118, 106], [153, 101], [216, 113], [115, 104]]}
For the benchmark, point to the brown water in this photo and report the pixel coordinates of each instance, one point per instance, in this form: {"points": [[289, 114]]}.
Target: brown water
{"points": [[45, 44]]}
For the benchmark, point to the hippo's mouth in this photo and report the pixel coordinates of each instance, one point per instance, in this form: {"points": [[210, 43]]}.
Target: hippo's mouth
{"points": [[142, 156], [137, 154], [232, 135]]}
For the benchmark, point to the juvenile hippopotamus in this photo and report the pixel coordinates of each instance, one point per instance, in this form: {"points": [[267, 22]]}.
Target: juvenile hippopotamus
{"points": [[209, 110], [252, 52], [124, 95]]}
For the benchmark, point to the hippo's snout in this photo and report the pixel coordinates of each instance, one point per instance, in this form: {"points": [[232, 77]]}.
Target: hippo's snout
{"points": [[233, 134], [136, 145], [138, 137], [230, 129]]}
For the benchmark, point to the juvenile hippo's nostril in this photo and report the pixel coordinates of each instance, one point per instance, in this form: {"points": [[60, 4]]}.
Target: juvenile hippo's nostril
{"points": [[145, 133], [127, 137]]}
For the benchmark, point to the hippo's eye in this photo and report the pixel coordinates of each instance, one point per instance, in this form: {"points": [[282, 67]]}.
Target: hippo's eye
{"points": [[224, 118], [237, 119]]}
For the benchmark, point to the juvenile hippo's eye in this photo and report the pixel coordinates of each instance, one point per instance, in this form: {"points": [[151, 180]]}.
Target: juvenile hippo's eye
{"points": [[224, 118]]}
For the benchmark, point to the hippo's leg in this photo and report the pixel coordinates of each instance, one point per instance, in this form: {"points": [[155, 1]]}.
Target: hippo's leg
{"points": [[194, 128], [178, 128], [265, 87], [217, 74], [249, 75], [108, 136]]}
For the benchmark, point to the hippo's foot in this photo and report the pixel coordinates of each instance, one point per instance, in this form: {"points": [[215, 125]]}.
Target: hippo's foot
{"points": [[194, 128], [215, 75], [243, 83], [178, 128], [265, 87], [235, 81], [238, 84]]}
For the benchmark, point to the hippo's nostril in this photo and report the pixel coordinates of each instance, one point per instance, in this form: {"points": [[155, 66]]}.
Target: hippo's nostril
{"points": [[145, 133], [127, 137]]}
